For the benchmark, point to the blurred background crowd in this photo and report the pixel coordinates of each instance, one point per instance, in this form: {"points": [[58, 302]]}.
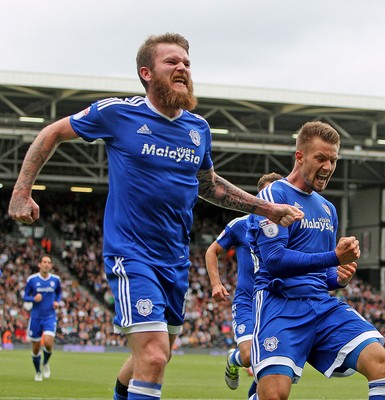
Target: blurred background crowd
{"points": [[71, 232]]}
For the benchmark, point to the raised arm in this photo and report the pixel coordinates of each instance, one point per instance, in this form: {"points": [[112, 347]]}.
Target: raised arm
{"points": [[219, 191], [22, 207]]}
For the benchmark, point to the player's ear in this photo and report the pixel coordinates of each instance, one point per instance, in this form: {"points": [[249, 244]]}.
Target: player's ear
{"points": [[299, 156], [145, 73]]}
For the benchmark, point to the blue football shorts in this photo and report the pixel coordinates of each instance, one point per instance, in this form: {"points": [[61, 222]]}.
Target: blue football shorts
{"points": [[147, 298], [39, 326], [243, 325], [323, 331]]}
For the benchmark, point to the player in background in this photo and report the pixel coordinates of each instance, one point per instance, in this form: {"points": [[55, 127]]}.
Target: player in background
{"points": [[43, 293], [234, 235], [159, 158], [297, 321]]}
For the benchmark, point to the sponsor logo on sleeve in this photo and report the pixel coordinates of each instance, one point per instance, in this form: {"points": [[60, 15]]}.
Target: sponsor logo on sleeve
{"points": [[221, 234], [269, 228], [82, 113]]}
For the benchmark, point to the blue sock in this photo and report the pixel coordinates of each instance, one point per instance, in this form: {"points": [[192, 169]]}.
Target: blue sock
{"points": [[46, 355], [377, 389], [140, 390], [36, 361], [235, 358], [253, 389]]}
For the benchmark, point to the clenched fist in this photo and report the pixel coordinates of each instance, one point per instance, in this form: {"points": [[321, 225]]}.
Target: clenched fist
{"points": [[348, 250]]}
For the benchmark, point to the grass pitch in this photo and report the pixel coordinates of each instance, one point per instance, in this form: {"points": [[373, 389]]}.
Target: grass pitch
{"points": [[188, 377]]}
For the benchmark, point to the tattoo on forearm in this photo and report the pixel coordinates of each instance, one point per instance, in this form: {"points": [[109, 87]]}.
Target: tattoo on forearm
{"points": [[37, 155], [217, 190]]}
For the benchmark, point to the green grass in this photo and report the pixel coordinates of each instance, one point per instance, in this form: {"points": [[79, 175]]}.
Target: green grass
{"points": [[92, 376]]}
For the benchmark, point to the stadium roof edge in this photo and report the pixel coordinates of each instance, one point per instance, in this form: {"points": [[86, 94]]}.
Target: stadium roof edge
{"points": [[211, 91]]}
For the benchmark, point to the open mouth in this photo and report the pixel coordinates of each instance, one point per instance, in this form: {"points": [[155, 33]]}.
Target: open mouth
{"points": [[322, 178], [180, 80]]}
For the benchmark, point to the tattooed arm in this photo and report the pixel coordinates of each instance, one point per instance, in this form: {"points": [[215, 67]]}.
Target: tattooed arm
{"points": [[217, 190], [22, 207]]}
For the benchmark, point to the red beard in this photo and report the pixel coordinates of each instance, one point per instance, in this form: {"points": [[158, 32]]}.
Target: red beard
{"points": [[171, 98]]}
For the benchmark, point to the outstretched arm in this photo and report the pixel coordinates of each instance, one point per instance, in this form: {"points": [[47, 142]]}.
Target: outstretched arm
{"points": [[22, 207], [219, 191]]}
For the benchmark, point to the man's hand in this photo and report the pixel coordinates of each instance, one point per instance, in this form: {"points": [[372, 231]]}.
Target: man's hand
{"points": [[23, 208], [348, 250], [284, 215], [345, 273], [220, 293], [38, 298]]}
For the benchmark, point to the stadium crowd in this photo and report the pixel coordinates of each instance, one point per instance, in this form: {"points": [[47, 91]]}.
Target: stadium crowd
{"points": [[86, 310]]}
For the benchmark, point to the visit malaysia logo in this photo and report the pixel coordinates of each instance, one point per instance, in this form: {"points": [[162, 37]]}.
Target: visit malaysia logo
{"points": [[179, 154]]}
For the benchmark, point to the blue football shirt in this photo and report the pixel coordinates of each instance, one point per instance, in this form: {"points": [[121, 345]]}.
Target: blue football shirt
{"points": [[153, 162], [234, 234], [295, 261], [49, 288]]}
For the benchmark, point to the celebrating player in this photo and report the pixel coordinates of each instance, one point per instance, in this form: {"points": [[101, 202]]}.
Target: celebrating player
{"points": [[234, 234], [159, 157], [43, 292], [296, 318]]}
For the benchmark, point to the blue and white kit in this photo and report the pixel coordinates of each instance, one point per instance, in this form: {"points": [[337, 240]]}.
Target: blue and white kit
{"points": [[234, 234], [43, 316], [297, 320], [153, 163]]}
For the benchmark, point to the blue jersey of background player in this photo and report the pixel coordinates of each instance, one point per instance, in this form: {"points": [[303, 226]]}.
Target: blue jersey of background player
{"points": [[43, 294], [234, 235], [296, 319]]}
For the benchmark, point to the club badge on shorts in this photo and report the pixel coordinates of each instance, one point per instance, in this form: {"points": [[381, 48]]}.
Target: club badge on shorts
{"points": [[144, 307], [241, 329], [269, 228], [270, 343]]}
